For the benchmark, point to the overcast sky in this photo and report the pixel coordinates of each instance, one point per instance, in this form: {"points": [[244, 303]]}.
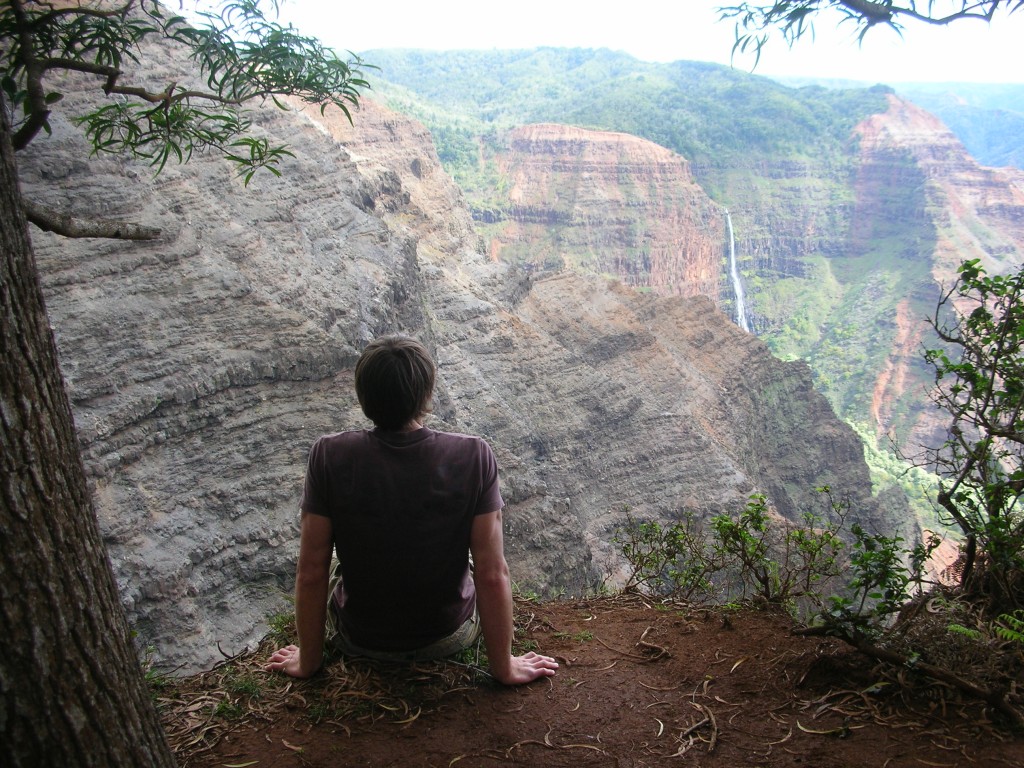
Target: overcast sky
{"points": [[669, 30]]}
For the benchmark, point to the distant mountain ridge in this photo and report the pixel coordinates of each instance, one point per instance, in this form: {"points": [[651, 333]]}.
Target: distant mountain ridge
{"points": [[987, 117]]}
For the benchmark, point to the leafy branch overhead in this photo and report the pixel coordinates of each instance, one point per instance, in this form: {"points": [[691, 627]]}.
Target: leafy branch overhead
{"points": [[755, 22], [240, 55]]}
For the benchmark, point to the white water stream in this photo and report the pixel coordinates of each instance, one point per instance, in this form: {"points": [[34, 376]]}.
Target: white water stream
{"points": [[737, 284]]}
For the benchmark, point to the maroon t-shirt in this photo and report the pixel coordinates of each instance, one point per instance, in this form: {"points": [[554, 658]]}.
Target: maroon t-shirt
{"points": [[402, 506]]}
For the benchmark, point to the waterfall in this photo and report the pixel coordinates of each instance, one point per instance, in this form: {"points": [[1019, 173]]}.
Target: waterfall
{"points": [[737, 284]]}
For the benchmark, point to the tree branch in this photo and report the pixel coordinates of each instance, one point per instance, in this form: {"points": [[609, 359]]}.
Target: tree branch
{"points": [[67, 225], [983, 10], [78, 66], [38, 114], [793, 18], [994, 697], [168, 97], [875, 13]]}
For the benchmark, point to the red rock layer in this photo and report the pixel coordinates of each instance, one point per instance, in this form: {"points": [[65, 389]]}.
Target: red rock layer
{"points": [[623, 206]]}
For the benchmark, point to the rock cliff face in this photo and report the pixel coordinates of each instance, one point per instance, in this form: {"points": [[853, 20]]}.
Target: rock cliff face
{"points": [[609, 203], [924, 204], [844, 232], [201, 366], [976, 212], [891, 225], [886, 225]]}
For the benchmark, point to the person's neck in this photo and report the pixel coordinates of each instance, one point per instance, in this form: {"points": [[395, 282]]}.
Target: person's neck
{"points": [[412, 426]]}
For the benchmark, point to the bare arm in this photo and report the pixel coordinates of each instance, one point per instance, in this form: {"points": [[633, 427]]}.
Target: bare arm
{"points": [[311, 580], [494, 601]]}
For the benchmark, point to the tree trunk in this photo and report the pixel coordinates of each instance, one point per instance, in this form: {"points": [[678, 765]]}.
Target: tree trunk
{"points": [[71, 687]]}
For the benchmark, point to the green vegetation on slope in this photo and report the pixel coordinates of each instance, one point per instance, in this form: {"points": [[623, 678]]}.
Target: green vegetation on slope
{"points": [[918, 485], [856, 340], [712, 115], [815, 295]]}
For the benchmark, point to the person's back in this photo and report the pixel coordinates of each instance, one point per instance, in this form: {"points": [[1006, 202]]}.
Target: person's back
{"points": [[403, 506]]}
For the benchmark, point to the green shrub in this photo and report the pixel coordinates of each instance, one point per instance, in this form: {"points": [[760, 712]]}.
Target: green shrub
{"points": [[884, 576], [778, 563], [673, 559], [979, 383]]}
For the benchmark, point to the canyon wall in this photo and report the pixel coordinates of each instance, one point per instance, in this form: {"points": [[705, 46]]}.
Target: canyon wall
{"points": [[608, 203], [851, 208], [202, 365], [976, 212], [842, 255], [923, 206]]}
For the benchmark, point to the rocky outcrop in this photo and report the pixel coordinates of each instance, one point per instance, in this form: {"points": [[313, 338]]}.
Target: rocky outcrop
{"points": [[923, 206], [608, 203], [976, 212], [201, 366]]}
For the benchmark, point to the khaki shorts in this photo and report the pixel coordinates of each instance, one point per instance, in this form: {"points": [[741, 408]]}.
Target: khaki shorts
{"points": [[338, 643]]}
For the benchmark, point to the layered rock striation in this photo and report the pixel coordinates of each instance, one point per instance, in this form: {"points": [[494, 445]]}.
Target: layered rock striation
{"points": [[202, 365], [976, 212], [608, 203]]}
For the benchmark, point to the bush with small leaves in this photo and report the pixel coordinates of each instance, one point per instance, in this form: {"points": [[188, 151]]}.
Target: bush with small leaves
{"points": [[674, 559], [779, 562], [884, 576], [979, 383]]}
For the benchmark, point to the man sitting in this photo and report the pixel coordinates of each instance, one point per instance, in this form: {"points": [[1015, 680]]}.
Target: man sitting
{"points": [[403, 506]]}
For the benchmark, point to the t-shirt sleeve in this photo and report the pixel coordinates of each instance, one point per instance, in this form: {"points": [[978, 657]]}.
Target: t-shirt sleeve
{"points": [[490, 491], [313, 488]]}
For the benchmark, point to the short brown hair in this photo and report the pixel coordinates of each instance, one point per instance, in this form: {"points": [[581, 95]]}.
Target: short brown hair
{"points": [[394, 381]]}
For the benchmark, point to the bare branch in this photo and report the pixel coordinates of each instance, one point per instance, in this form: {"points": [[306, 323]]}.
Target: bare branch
{"points": [[983, 10], [792, 19], [876, 13], [78, 66], [67, 225], [168, 96], [38, 114]]}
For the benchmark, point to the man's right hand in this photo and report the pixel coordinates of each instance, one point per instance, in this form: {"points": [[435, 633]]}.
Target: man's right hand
{"points": [[527, 668], [289, 661]]}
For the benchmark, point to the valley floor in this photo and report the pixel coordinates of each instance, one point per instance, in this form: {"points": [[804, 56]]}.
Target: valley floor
{"points": [[639, 685]]}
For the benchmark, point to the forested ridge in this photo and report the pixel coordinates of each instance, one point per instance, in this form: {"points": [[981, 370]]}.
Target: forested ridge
{"points": [[709, 113]]}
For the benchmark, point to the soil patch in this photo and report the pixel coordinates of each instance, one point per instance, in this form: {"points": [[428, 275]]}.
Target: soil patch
{"points": [[639, 685]]}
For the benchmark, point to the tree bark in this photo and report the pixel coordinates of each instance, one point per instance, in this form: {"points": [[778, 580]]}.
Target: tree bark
{"points": [[71, 687]]}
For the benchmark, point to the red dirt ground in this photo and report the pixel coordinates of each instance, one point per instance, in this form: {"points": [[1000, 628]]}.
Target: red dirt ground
{"points": [[639, 685]]}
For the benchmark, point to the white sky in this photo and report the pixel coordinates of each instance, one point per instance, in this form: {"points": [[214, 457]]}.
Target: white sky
{"points": [[669, 30]]}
